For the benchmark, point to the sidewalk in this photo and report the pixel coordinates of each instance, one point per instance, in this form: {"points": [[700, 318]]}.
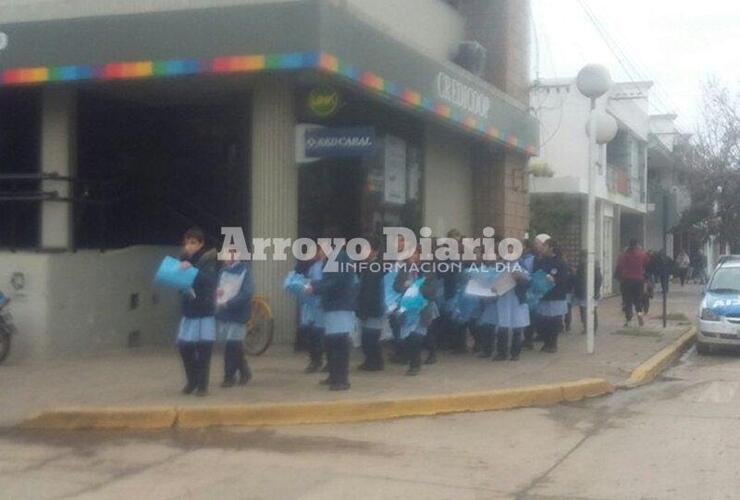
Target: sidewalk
{"points": [[144, 377]]}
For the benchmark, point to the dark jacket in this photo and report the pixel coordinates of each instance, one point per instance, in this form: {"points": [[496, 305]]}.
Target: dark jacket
{"points": [[452, 280], [371, 295], [429, 290], [558, 269], [204, 286], [579, 281], [239, 307], [338, 290]]}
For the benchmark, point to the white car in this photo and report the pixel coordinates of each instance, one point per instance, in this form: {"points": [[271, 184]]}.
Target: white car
{"points": [[719, 312]]}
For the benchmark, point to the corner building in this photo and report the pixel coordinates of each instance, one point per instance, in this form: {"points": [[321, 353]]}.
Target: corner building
{"points": [[124, 122]]}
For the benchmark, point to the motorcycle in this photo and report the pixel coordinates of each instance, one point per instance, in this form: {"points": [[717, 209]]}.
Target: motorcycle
{"points": [[7, 328]]}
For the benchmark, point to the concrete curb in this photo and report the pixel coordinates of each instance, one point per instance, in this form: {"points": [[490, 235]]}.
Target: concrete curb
{"points": [[650, 369], [145, 418], [315, 412]]}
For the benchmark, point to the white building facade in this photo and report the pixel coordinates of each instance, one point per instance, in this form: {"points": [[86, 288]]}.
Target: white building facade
{"points": [[559, 176]]}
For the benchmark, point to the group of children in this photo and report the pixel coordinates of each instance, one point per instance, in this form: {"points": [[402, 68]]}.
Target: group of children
{"points": [[218, 303], [415, 310]]}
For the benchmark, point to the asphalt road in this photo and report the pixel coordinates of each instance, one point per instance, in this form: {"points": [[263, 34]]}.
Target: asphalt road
{"points": [[678, 438]]}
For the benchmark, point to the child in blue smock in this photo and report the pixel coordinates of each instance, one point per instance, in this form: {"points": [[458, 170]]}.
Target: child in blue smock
{"points": [[371, 309], [197, 331], [553, 306], [311, 315], [338, 292], [415, 321], [233, 309], [513, 316]]}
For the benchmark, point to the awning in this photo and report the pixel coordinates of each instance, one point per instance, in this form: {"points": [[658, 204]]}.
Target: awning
{"points": [[310, 35]]}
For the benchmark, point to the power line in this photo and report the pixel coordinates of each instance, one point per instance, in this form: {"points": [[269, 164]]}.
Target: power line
{"points": [[631, 69]]}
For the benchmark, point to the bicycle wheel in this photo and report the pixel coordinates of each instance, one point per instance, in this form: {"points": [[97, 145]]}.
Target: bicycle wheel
{"points": [[260, 328]]}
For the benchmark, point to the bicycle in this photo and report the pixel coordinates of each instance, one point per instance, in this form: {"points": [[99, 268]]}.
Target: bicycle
{"points": [[260, 327]]}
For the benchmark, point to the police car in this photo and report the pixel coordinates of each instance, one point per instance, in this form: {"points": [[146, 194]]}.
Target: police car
{"points": [[719, 312]]}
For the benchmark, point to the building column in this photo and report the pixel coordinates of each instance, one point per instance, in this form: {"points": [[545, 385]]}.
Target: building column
{"points": [[274, 193], [58, 156], [501, 193]]}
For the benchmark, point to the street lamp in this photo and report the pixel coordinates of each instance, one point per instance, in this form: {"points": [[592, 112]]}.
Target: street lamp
{"points": [[712, 254], [593, 81]]}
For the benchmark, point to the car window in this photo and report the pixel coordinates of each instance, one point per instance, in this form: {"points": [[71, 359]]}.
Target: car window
{"points": [[726, 279]]}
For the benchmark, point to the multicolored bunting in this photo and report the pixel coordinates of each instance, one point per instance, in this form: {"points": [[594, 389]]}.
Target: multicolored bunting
{"points": [[256, 63]]}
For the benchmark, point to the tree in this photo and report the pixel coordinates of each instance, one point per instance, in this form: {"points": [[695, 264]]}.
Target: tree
{"points": [[713, 167]]}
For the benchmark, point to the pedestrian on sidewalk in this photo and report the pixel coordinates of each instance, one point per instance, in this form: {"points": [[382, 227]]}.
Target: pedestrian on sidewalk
{"points": [[233, 309], [683, 262], [338, 291], [631, 275], [455, 332], [197, 331], [530, 258], [700, 267], [488, 319], [579, 291], [417, 310], [512, 312], [660, 268], [570, 299], [393, 292], [312, 313], [371, 308], [553, 306]]}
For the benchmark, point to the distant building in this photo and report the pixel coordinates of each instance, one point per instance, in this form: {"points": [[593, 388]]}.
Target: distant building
{"points": [[668, 194], [559, 180], [124, 122]]}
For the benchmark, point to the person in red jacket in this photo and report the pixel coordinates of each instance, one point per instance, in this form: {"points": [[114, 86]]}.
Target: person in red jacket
{"points": [[631, 275]]}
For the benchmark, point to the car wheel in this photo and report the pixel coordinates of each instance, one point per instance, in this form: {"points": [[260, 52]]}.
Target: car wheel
{"points": [[703, 349]]}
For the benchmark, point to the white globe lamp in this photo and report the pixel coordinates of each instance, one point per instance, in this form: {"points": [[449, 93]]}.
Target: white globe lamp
{"points": [[605, 125], [593, 81]]}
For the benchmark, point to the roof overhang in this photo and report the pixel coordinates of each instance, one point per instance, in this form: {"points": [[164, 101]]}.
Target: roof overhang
{"points": [[314, 35]]}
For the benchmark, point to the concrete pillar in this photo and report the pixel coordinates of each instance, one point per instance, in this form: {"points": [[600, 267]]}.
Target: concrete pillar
{"points": [[501, 193], [274, 185], [58, 156]]}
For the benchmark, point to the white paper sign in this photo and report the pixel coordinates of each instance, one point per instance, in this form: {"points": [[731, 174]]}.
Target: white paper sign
{"points": [[504, 284], [395, 170], [229, 284], [479, 289]]}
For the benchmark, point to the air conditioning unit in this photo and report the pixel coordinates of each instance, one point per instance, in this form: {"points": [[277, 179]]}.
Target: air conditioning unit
{"points": [[471, 55]]}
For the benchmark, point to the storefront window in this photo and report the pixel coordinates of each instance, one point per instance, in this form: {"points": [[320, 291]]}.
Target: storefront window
{"points": [[360, 195]]}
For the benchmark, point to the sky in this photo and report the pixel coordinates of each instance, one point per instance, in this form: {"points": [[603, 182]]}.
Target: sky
{"points": [[678, 44]]}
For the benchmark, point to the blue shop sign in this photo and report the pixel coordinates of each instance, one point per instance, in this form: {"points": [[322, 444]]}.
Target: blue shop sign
{"points": [[340, 142]]}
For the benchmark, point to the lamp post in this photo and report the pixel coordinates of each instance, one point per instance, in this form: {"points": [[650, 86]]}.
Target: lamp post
{"points": [[712, 257], [593, 81]]}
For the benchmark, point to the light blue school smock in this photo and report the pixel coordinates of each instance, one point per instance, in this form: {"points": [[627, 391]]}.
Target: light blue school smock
{"points": [[197, 330], [552, 308], [231, 330], [311, 312], [489, 316], [336, 322], [420, 327], [512, 314]]}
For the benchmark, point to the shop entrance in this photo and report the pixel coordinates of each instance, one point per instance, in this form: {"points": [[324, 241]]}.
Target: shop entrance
{"points": [[154, 160], [330, 196], [357, 197]]}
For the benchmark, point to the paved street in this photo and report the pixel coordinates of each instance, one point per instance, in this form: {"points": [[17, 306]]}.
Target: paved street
{"points": [[678, 438]]}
